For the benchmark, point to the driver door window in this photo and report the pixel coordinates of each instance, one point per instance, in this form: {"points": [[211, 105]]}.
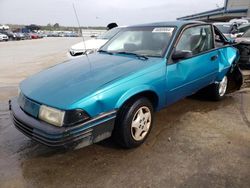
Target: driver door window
{"points": [[196, 39]]}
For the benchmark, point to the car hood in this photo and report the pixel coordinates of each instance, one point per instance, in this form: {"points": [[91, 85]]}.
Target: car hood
{"points": [[90, 44], [64, 84], [243, 39]]}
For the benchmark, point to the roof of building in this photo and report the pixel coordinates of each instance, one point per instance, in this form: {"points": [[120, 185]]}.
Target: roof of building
{"points": [[222, 13]]}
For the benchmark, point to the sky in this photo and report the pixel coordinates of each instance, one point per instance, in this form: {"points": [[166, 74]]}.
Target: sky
{"points": [[99, 12]]}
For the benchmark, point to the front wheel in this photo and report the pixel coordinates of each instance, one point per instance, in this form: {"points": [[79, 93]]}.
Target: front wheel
{"points": [[134, 123]]}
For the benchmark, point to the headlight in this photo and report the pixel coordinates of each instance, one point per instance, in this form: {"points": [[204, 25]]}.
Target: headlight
{"points": [[51, 115]]}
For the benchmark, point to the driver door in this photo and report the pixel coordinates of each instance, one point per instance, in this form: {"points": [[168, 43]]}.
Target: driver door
{"points": [[186, 76]]}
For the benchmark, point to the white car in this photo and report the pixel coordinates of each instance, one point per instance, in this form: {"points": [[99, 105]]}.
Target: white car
{"points": [[93, 45], [245, 38], [3, 37]]}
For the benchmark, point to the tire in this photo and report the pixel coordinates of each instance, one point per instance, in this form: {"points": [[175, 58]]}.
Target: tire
{"points": [[134, 123], [219, 90]]}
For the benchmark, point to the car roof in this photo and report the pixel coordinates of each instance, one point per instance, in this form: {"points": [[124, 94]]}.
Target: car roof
{"points": [[170, 23], [223, 23]]}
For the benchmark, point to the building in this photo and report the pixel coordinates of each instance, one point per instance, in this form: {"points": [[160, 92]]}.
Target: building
{"points": [[232, 9]]}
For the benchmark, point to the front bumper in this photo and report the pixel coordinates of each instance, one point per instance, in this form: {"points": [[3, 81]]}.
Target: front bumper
{"points": [[4, 38], [77, 136]]}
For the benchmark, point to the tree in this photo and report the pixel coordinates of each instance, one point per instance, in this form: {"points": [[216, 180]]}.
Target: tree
{"points": [[33, 27], [56, 25]]}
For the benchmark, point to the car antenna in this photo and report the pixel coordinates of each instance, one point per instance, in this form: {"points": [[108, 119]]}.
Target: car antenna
{"points": [[81, 35], [78, 22]]}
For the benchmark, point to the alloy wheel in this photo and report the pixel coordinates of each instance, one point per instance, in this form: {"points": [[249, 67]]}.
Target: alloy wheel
{"points": [[223, 86], [141, 123]]}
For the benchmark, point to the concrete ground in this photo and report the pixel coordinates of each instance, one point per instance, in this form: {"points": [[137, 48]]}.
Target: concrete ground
{"points": [[194, 143]]}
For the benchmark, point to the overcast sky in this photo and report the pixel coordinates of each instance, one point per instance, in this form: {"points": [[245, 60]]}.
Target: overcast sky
{"points": [[99, 12]]}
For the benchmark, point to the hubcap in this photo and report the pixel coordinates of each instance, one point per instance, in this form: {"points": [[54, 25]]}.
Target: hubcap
{"points": [[223, 86], [141, 123]]}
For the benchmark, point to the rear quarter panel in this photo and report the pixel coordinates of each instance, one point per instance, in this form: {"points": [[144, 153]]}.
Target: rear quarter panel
{"points": [[228, 55]]}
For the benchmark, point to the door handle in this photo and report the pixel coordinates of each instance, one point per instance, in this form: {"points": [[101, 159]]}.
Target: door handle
{"points": [[213, 58]]}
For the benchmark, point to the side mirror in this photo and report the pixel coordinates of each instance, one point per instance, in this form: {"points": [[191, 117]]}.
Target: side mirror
{"points": [[182, 54]]}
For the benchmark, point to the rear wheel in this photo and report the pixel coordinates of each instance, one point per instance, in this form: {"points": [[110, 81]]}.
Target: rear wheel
{"points": [[134, 123], [218, 90]]}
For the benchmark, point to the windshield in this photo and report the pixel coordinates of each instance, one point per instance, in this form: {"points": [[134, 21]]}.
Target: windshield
{"points": [[226, 29], [146, 41], [247, 34], [109, 34]]}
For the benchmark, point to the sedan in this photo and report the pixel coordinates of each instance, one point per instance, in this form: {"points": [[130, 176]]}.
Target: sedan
{"points": [[116, 91], [34, 35], [10, 34], [20, 36], [90, 46], [3, 37]]}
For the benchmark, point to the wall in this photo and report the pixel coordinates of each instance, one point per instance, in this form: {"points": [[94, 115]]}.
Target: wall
{"points": [[237, 4]]}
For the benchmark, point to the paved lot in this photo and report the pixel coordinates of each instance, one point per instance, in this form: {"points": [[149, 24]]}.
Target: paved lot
{"points": [[194, 143]]}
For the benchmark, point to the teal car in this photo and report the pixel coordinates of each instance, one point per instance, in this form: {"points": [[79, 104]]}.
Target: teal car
{"points": [[115, 91]]}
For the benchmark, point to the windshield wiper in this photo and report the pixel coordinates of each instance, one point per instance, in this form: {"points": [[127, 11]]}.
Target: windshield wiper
{"points": [[135, 54], [105, 51]]}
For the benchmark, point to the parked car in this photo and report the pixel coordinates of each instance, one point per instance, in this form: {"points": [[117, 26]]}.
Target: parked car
{"points": [[230, 30], [92, 45], [72, 34], [116, 91], [40, 35], [245, 38], [242, 29], [9, 33], [27, 36], [3, 37], [53, 34], [244, 50], [19, 36], [239, 21], [34, 35]]}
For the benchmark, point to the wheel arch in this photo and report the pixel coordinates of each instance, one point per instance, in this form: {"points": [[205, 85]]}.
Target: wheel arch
{"points": [[229, 67], [136, 93], [235, 78]]}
